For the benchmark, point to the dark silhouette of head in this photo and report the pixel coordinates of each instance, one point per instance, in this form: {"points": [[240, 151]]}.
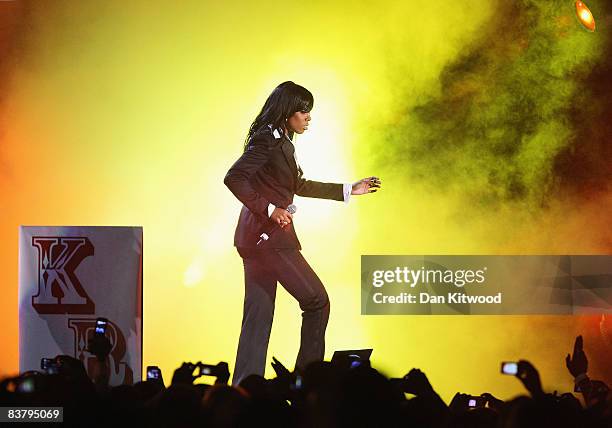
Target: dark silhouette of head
{"points": [[286, 99]]}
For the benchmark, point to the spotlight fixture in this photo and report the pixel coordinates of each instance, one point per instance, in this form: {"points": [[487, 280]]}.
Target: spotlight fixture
{"points": [[585, 16]]}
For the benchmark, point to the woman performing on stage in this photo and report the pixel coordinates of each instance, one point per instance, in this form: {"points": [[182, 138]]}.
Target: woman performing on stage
{"points": [[265, 179]]}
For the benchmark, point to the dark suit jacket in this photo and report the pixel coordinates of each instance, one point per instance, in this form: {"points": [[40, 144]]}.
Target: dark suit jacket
{"points": [[267, 173]]}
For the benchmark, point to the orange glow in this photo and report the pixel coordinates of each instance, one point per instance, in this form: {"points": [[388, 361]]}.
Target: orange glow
{"points": [[585, 16]]}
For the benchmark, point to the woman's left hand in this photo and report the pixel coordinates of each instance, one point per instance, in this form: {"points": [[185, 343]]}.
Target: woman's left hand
{"points": [[366, 185]]}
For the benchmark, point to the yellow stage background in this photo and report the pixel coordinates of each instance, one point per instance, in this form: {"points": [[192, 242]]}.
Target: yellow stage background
{"points": [[130, 113]]}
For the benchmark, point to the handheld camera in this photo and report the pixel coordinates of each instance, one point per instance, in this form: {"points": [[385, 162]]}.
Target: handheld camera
{"points": [[509, 368], [101, 324], [208, 370], [49, 366], [476, 402], [154, 373]]}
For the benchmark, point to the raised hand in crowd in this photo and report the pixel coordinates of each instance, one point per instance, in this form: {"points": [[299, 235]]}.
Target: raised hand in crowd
{"points": [[492, 402], [188, 372], [577, 363], [459, 403], [280, 370], [100, 346], [530, 378], [594, 392], [416, 382], [284, 378], [222, 373], [185, 374]]}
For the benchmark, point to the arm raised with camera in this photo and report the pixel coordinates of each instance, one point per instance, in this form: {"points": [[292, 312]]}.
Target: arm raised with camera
{"points": [[416, 382], [100, 346]]}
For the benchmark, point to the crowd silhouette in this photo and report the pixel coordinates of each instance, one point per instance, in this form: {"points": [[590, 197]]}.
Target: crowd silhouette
{"points": [[346, 393]]}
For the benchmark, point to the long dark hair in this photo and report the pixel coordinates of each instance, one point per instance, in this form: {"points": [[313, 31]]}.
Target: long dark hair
{"points": [[285, 99]]}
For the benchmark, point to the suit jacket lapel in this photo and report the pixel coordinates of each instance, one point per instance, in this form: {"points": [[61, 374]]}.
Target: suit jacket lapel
{"points": [[290, 157]]}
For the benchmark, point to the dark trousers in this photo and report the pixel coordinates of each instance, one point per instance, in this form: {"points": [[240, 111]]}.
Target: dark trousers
{"points": [[262, 269]]}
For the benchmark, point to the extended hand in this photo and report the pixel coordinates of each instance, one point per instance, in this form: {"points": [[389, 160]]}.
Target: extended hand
{"points": [[460, 402], [530, 377], [577, 363], [284, 378], [493, 402], [366, 185], [223, 373], [415, 382], [184, 374], [99, 345], [280, 370]]}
